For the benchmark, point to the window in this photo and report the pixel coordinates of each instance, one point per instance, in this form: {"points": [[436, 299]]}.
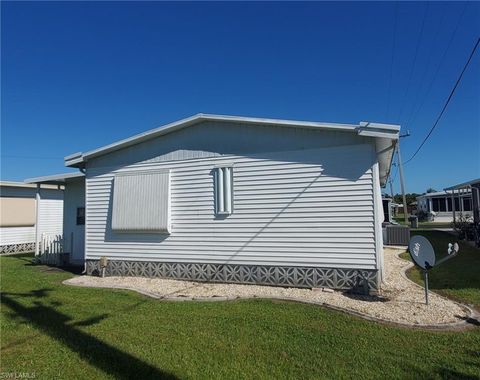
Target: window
{"points": [[439, 204], [223, 181], [17, 212], [457, 204], [467, 204], [80, 216], [141, 202], [443, 204]]}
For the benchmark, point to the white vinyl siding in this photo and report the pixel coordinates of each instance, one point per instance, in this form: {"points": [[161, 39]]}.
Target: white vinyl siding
{"points": [[216, 139], [298, 208], [223, 190], [50, 221], [17, 235], [141, 202]]}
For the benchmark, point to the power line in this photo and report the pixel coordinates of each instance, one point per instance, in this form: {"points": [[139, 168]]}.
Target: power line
{"points": [[414, 113], [427, 65], [402, 108], [446, 103], [392, 59], [30, 157]]}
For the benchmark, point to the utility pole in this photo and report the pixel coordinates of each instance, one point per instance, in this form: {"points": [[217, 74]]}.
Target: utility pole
{"points": [[402, 179], [391, 187]]}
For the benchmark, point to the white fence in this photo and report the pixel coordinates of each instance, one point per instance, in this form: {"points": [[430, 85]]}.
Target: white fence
{"points": [[51, 248]]}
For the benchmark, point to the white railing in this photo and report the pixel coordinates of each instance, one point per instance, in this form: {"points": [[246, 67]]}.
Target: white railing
{"points": [[51, 247]]}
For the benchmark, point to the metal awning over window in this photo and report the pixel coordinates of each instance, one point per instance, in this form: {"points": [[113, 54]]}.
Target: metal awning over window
{"points": [[141, 202]]}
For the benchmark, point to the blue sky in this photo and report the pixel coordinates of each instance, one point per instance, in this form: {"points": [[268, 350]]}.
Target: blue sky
{"points": [[76, 76]]}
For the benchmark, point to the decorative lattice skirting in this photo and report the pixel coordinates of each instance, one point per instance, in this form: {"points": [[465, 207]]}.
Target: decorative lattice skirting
{"points": [[17, 248], [363, 281]]}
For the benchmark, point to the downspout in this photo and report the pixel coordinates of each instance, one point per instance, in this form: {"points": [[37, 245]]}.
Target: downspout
{"points": [[37, 219], [377, 216], [84, 171]]}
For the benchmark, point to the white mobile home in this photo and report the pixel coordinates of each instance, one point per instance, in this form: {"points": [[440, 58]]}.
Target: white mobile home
{"points": [[25, 210], [470, 187], [235, 199], [442, 205]]}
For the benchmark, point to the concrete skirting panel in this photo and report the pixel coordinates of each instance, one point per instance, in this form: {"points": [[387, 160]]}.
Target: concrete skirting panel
{"points": [[362, 281], [17, 248]]}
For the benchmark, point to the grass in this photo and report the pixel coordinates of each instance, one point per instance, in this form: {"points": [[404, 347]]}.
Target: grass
{"points": [[423, 225], [56, 331], [458, 278]]}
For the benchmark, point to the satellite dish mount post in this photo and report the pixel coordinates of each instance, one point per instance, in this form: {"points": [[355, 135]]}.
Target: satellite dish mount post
{"points": [[425, 280]]}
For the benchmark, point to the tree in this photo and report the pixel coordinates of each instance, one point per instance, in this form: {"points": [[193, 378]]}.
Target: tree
{"points": [[411, 197], [431, 190]]}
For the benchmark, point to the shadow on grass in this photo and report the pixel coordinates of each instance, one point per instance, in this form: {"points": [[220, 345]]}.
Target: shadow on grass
{"points": [[442, 372], [48, 268], [105, 357]]}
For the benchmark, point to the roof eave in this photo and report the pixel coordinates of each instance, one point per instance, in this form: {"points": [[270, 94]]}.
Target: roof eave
{"points": [[367, 129], [463, 185], [56, 179]]}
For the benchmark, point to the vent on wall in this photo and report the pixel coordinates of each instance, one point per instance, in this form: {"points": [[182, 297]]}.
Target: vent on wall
{"points": [[223, 181], [141, 202]]}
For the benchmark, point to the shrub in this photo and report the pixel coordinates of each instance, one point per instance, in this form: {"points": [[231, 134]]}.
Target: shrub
{"points": [[422, 216], [462, 225]]}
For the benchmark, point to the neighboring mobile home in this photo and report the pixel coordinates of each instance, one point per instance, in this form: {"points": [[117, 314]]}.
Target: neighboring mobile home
{"points": [[72, 229], [22, 209], [470, 187], [236, 199], [442, 205]]}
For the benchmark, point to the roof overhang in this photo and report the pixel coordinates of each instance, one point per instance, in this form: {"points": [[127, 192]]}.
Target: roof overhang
{"points": [[465, 185], [57, 179], [22, 185], [433, 194], [16, 184], [386, 136], [447, 193]]}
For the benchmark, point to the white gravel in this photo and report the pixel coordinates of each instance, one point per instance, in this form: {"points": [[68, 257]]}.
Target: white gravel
{"points": [[400, 300]]}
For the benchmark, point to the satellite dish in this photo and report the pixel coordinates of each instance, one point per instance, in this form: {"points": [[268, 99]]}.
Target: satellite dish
{"points": [[422, 252], [452, 248]]}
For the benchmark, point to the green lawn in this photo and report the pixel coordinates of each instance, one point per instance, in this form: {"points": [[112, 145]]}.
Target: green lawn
{"points": [[458, 278], [423, 225], [60, 332]]}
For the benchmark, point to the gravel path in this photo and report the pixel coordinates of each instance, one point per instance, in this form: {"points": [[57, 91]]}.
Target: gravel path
{"points": [[400, 300]]}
